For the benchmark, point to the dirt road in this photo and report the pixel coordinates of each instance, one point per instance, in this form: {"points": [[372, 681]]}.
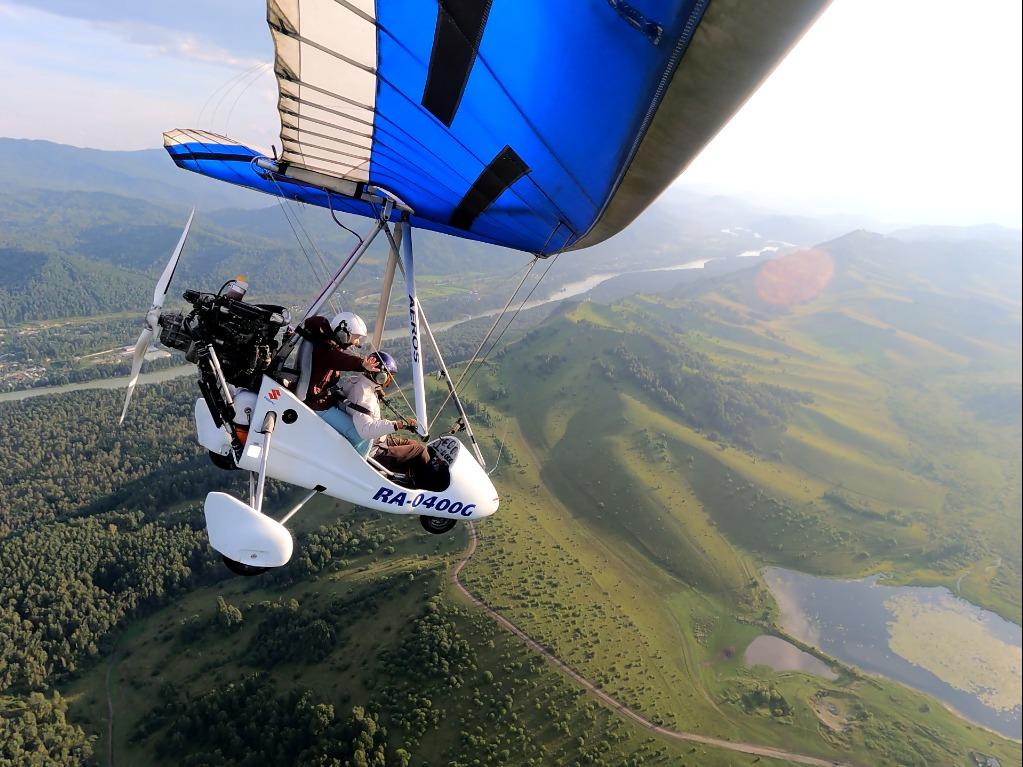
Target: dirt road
{"points": [[614, 703]]}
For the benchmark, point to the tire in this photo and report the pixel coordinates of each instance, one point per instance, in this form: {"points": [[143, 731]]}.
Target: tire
{"points": [[240, 568], [225, 462], [437, 525]]}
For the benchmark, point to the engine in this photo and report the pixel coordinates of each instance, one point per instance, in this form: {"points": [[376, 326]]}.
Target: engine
{"points": [[230, 341]]}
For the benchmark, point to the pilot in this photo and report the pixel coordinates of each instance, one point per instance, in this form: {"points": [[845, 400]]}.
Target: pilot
{"points": [[360, 396], [376, 436]]}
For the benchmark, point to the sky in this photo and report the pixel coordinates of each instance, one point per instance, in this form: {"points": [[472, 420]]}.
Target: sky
{"points": [[906, 111]]}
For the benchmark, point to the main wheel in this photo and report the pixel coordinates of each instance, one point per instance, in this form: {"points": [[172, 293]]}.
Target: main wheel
{"points": [[437, 525], [240, 568], [225, 462]]}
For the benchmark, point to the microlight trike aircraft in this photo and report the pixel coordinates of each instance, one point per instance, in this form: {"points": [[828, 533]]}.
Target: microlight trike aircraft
{"points": [[539, 125]]}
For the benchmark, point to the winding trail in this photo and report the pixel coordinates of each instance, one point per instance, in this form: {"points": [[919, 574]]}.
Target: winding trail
{"points": [[613, 703]]}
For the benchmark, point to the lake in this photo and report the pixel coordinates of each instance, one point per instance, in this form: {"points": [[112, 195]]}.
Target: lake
{"points": [[925, 637]]}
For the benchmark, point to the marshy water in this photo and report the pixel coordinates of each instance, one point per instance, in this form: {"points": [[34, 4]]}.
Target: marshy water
{"points": [[925, 637], [780, 655]]}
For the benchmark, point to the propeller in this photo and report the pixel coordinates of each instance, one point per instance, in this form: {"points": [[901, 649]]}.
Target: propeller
{"points": [[149, 332]]}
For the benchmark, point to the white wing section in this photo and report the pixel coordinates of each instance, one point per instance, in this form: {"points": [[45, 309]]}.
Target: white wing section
{"points": [[326, 60]]}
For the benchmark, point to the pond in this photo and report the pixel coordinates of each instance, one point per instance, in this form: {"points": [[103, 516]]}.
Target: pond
{"points": [[924, 637], [780, 655]]}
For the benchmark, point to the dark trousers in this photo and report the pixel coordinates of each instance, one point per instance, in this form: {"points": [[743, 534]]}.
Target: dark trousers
{"points": [[402, 455]]}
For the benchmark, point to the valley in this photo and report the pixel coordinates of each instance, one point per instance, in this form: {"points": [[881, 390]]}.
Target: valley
{"points": [[659, 445]]}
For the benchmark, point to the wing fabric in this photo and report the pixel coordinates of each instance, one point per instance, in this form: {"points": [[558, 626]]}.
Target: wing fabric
{"points": [[540, 125]]}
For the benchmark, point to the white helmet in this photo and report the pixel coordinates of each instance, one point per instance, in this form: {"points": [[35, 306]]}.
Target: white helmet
{"points": [[349, 328]]}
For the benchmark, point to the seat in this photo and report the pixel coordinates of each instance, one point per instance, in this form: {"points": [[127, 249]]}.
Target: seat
{"points": [[304, 361]]}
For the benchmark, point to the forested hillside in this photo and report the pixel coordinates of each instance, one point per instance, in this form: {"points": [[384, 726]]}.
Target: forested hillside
{"points": [[39, 284], [105, 566]]}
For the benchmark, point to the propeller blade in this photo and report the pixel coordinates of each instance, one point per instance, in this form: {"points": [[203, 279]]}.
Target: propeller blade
{"points": [[141, 347], [153, 316], [163, 284]]}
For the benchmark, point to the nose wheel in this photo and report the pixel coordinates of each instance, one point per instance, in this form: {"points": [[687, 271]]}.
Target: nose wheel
{"points": [[240, 568], [437, 525]]}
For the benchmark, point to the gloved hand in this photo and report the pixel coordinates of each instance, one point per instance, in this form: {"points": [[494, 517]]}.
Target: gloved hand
{"points": [[406, 424]]}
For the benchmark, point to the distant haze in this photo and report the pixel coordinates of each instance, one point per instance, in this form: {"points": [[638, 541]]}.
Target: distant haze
{"points": [[905, 112]]}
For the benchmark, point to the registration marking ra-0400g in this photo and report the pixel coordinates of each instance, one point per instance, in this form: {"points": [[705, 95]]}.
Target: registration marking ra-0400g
{"points": [[432, 502]]}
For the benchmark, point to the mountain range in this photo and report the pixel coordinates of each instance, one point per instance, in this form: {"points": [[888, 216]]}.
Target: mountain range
{"points": [[107, 220]]}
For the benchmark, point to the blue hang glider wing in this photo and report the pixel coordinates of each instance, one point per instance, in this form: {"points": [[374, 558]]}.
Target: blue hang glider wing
{"points": [[539, 125]]}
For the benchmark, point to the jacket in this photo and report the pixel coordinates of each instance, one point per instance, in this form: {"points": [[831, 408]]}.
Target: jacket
{"points": [[330, 362], [365, 395]]}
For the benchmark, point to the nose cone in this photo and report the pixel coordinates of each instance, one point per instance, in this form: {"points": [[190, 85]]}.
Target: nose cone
{"points": [[471, 485]]}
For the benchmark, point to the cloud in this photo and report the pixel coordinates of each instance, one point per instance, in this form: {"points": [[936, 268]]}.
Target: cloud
{"points": [[170, 42], [229, 33], [117, 85]]}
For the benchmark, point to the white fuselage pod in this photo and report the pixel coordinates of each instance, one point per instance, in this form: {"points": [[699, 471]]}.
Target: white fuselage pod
{"points": [[305, 451]]}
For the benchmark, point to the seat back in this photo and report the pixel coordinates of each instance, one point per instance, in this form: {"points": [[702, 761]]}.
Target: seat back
{"points": [[304, 360]]}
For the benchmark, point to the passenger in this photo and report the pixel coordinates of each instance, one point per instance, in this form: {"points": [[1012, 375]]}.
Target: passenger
{"points": [[360, 397]]}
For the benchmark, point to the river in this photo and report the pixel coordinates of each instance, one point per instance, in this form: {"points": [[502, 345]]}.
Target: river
{"points": [[924, 637], [569, 290], [157, 376]]}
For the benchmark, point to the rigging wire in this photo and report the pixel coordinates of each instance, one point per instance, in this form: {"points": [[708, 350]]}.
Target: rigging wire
{"points": [[312, 266], [297, 212], [512, 320], [333, 215], [490, 332], [255, 78], [228, 83], [294, 231], [228, 91], [500, 451]]}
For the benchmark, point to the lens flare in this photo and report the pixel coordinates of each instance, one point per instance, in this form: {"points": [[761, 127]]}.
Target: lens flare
{"points": [[795, 278]]}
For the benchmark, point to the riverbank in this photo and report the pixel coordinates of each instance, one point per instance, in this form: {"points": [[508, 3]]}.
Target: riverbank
{"points": [[570, 290]]}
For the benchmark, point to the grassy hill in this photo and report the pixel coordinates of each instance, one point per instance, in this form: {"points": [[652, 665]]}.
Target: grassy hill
{"points": [[882, 421], [856, 440]]}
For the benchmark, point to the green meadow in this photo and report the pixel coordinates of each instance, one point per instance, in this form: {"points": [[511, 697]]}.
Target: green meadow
{"points": [[632, 529]]}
